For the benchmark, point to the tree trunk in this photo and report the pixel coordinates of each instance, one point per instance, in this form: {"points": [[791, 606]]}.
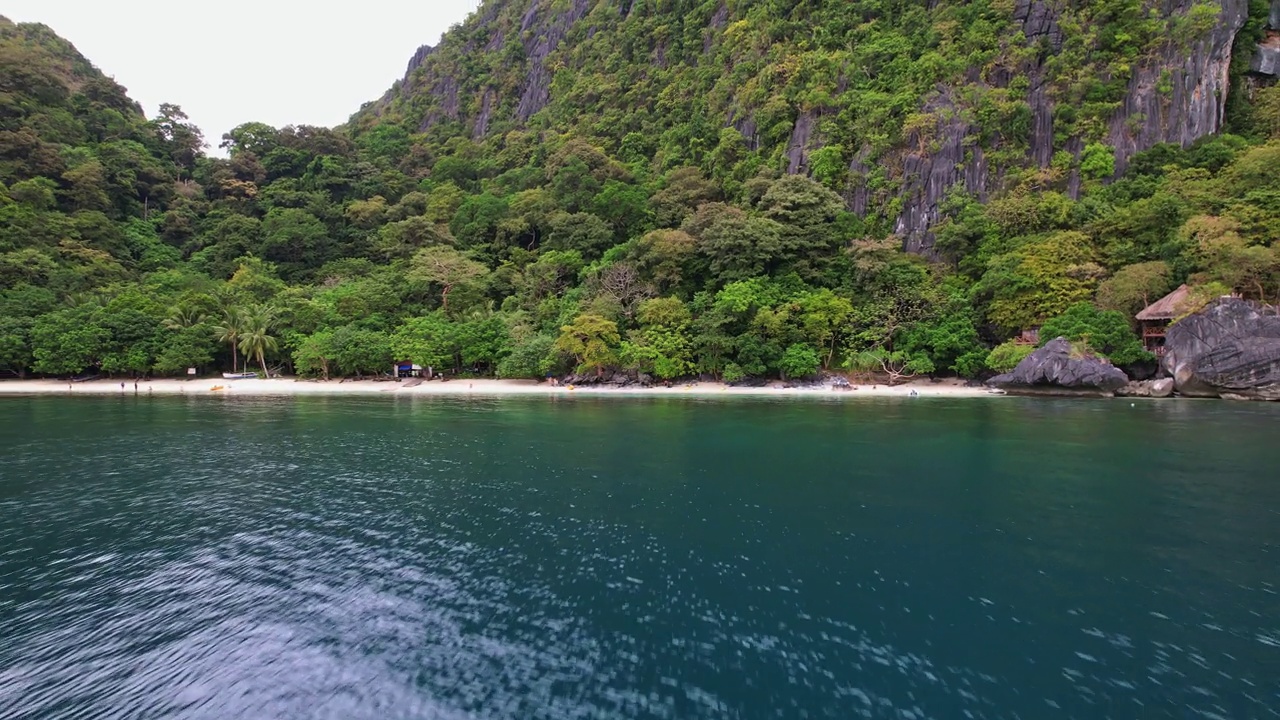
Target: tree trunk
{"points": [[234, 358], [263, 359]]}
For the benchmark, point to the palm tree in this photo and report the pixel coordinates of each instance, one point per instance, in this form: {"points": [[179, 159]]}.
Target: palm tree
{"points": [[229, 331], [181, 318], [256, 338]]}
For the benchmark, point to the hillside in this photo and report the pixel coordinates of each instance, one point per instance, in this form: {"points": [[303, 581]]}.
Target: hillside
{"points": [[894, 104], [674, 189]]}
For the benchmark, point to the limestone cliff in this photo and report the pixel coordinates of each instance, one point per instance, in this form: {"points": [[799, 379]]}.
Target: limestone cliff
{"points": [[911, 122], [1176, 95]]}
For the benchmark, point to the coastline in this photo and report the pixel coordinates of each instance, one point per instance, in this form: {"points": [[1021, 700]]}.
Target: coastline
{"points": [[461, 388]]}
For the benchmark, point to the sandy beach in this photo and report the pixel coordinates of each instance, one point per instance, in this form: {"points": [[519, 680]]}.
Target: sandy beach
{"points": [[490, 388]]}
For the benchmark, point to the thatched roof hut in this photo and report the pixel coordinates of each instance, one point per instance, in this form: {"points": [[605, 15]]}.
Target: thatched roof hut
{"points": [[1168, 307]]}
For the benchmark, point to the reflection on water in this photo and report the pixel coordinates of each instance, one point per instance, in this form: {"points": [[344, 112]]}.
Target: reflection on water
{"points": [[417, 558]]}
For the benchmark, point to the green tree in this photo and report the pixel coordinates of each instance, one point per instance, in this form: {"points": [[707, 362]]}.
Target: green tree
{"points": [[1134, 287], [1098, 161], [256, 338], [800, 361], [823, 318], [483, 340], [1041, 278], [358, 350], [446, 267], [183, 347], [949, 342], [530, 357], [806, 213], [661, 346], [896, 365], [295, 239], [231, 330], [741, 247], [15, 345], [428, 341], [314, 355], [66, 342], [592, 341], [684, 189], [584, 233]]}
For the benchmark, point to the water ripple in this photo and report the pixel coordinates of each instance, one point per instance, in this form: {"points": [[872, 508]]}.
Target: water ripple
{"points": [[369, 560]]}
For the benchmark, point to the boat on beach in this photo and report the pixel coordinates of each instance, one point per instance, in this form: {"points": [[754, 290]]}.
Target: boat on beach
{"points": [[240, 376]]}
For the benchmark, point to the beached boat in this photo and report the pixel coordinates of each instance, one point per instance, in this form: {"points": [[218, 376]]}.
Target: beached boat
{"points": [[240, 376]]}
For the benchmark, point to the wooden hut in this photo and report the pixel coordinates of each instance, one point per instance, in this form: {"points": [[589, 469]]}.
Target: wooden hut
{"points": [[1028, 336], [1156, 317]]}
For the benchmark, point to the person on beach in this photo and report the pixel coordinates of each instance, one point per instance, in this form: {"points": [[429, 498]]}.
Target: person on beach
{"points": [[121, 386]]}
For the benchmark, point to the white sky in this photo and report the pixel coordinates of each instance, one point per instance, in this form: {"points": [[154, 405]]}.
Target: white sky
{"points": [[227, 62]]}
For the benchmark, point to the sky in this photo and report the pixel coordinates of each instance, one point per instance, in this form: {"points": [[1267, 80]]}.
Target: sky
{"points": [[227, 62]]}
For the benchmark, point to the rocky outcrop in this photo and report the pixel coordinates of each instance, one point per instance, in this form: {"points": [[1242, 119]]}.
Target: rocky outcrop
{"points": [[1266, 58], [418, 58], [1229, 349], [1266, 61], [929, 176], [1056, 370], [802, 135], [1195, 83], [542, 36], [1176, 96]]}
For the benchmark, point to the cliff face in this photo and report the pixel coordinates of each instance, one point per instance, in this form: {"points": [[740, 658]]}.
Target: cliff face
{"points": [[1177, 95], [1197, 86], [910, 112]]}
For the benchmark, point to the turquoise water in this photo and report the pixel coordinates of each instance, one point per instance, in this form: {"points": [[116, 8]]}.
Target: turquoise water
{"points": [[601, 558]]}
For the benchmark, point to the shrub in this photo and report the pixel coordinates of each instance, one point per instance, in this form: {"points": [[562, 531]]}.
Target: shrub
{"points": [[1006, 356], [800, 361], [733, 373], [1105, 331]]}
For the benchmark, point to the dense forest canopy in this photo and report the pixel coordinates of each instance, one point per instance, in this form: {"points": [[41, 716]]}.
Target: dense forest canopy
{"points": [[616, 222]]}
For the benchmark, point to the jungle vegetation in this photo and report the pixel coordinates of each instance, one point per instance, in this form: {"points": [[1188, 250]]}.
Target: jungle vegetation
{"points": [[617, 230]]}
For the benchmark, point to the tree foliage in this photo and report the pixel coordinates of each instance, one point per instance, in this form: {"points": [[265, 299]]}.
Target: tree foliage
{"points": [[1107, 332]]}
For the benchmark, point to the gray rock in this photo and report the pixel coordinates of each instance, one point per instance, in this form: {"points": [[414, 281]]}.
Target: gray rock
{"points": [[1162, 388], [1052, 370], [1134, 389], [1266, 61], [1232, 347]]}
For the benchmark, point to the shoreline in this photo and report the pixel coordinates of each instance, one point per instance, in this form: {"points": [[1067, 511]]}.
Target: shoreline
{"points": [[292, 387]]}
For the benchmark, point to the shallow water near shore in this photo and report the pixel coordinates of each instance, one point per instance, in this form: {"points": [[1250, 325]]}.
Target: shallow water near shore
{"points": [[417, 557]]}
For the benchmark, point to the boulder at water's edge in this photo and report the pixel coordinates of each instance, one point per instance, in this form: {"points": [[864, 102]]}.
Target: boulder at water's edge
{"points": [[1053, 370], [1161, 388], [1229, 349]]}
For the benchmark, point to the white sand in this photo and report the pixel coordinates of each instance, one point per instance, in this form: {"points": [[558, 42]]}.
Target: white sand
{"points": [[290, 386]]}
